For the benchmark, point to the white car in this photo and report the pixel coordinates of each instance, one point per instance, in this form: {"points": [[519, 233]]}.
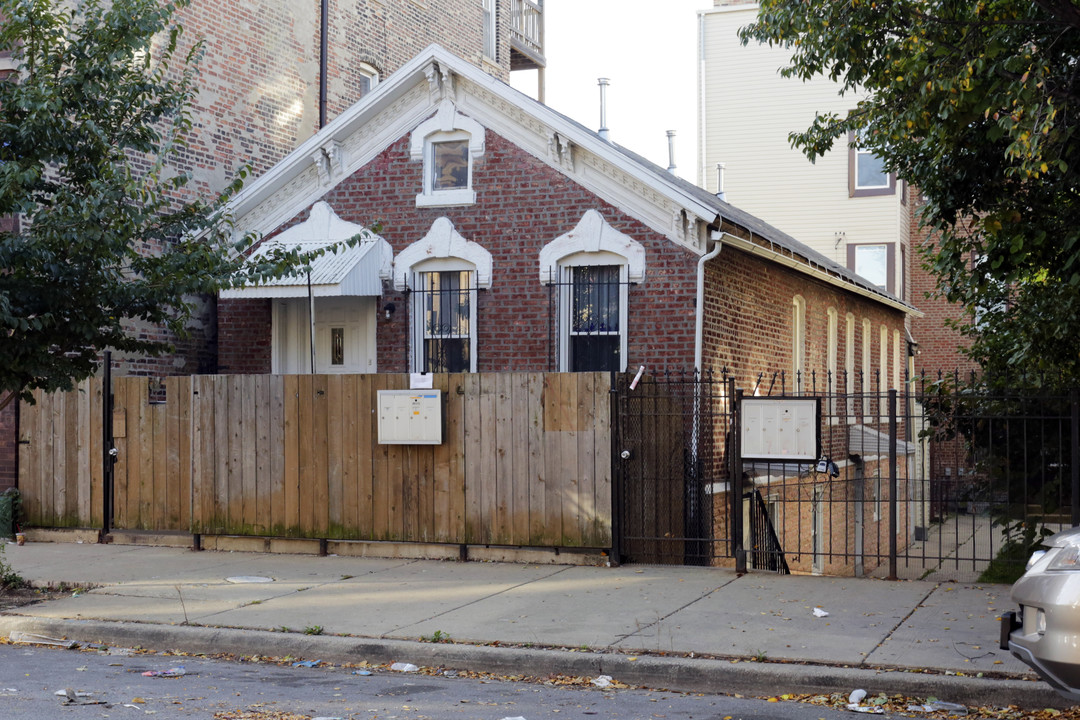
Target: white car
{"points": [[1045, 631]]}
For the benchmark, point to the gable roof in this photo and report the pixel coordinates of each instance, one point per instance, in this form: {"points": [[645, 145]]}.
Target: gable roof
{"points": [[684, 213]]}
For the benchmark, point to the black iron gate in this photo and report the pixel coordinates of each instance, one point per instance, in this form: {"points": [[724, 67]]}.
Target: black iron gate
{"points": [[670, 437], [941, 478]]}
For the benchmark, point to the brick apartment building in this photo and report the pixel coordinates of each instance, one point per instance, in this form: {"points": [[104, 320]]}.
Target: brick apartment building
{"points": [[262, 93]]}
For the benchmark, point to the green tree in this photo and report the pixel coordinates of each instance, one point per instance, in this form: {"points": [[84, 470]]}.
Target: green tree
{"points": [[98, 106], [975, 103]]}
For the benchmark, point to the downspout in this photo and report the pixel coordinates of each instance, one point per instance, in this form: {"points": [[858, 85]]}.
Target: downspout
{"points": [[323, 42], [699, 316]]}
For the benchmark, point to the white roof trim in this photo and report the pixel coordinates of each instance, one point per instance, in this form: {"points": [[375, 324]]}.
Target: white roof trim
{"points": [[356, 270], [593, 234], [443, 241]]}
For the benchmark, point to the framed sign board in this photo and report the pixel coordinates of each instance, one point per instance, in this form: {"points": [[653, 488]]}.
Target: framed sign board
{"points": [[787, 429]]}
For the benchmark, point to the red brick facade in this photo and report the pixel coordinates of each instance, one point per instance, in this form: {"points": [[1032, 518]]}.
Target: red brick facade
{"points": [[940, 346], [521, 205]]}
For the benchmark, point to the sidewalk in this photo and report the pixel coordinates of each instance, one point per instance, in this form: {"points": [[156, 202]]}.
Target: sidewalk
{"points": [[641, 624]]}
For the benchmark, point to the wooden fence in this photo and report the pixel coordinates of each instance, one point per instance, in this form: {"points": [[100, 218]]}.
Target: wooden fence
{"points": [[525, 459]]}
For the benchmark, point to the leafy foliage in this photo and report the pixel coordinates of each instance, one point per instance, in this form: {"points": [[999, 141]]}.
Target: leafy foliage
{"points": [[975, 103], [91, 125]]}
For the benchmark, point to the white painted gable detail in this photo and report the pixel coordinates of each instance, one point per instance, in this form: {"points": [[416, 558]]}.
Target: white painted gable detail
{"points": [[593, 234], [441, 242]]}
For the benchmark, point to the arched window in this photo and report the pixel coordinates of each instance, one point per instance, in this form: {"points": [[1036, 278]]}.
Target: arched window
{"points": [[442, 273], [448, 144], [592, 267]]}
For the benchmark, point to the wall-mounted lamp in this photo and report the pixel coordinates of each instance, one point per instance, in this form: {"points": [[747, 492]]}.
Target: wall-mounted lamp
{"points": [[389, 309]]}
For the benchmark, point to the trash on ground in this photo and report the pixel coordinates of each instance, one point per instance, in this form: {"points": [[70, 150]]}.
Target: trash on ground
{"points": [[818, 612], [951, 708], [125, 652], [307, 663], [856, 696], [35, 639], [72, 697], [919, 708], [404, 667], [244, 579], [602, 681], [170, 673], [873, 710], [361, 672], [516, 717]]}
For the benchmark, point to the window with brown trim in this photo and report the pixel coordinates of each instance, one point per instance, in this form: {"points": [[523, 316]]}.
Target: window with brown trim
{"points": [[866, 172]]}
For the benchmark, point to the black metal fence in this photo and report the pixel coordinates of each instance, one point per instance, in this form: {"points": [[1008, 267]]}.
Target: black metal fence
{"points": [[947, 477]]}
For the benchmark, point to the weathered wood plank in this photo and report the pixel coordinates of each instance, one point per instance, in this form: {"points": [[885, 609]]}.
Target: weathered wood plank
{"points": [[455, 441], [169, 503], [395, 463], [201, 458], [554, 482], [440, 480], [97, 477], [381, 467], [502, 509], [350, 481], [474, 472], [321, 478], [365, 453], [335, 446], [275, 439], [264, 453], [519, 443], [537, 476], [306, 439], [601, 530], [66, 456], [248, 452], [291, 454], [222, 432], [586, 454]]}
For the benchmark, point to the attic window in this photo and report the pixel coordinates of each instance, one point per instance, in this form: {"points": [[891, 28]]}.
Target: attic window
{"points": [[449, 145], [449, 165]]}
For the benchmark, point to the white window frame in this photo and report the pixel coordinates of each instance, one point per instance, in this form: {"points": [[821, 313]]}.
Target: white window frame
{"points": [[446, 125], [368, 71], [490, 28], [832, 350], [798, 343], [442, 249], [849, 365], [566, 289], [417, 317], [896, 360], [592, 242]]}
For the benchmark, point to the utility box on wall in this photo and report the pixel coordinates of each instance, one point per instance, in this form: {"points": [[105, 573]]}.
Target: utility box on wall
{"points": [[780, 428], [410, 417]]}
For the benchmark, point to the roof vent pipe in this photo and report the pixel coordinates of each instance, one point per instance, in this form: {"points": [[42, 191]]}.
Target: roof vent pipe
{"points": [[603, 83], [671, 151], [720, 181]]}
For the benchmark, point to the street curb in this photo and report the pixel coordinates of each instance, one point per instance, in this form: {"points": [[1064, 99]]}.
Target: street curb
{"points": [[673, 673]]}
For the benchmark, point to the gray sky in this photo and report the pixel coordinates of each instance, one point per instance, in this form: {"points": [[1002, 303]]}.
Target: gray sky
{"points": [[648, 50]]}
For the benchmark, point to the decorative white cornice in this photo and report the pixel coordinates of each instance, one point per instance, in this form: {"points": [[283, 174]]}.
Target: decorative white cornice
{"points": [[442, 242], [593, 234], [447, 119]]}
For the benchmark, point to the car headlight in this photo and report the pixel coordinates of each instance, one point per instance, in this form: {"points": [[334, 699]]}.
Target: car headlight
{"points": [[1067, 558], [1035, 557]]}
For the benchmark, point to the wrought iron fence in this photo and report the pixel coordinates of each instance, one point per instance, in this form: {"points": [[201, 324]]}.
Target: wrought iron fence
{"points": [[942, 476]]}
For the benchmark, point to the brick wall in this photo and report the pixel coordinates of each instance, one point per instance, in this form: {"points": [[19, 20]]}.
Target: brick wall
{"points": [[522, 204], [748, 327], [939, 345]]}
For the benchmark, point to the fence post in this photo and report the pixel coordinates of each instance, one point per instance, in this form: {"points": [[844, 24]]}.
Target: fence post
{"points": [[893, 485], [736, 473], [1075, 464], [108, 458], [616, 473]]}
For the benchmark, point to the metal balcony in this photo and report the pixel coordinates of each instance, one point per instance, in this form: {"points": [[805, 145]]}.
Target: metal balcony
{"points": [[527, 35]]}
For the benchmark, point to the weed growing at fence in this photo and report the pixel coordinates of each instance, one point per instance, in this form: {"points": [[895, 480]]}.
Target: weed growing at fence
{"points": [[313, 630], [9, 578]]}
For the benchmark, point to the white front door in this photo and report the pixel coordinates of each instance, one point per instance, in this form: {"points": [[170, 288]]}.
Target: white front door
{"points": [[344, 335]]}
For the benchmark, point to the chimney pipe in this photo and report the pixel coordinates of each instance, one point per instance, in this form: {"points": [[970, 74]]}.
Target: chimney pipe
{"points": [[720, 181], [603, 83], [671, 151]]}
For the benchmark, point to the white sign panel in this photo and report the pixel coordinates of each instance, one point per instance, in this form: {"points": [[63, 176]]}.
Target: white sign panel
{"points": [[780, 429]]}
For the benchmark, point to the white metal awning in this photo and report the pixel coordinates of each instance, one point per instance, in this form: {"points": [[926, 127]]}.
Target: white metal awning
{"points": [[357, 270]]}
